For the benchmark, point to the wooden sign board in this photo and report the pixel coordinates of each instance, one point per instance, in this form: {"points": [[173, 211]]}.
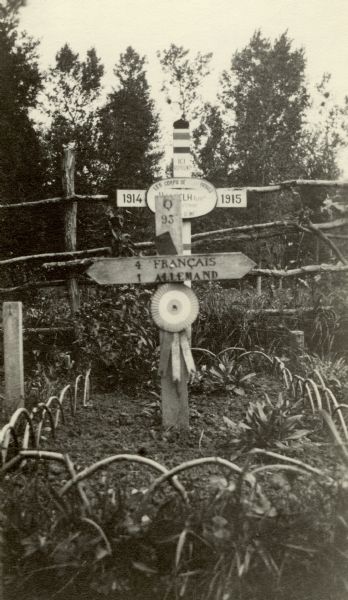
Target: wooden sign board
{"points": [[231, 198], [226, 198], [131, 198], [170, 269], [198, 197]]}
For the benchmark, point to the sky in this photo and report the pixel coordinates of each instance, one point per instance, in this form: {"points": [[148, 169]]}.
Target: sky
{"points": [[218, 26]]}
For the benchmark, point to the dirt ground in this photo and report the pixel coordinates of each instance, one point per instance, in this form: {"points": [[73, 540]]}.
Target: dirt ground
{"points": [[117, 423]]}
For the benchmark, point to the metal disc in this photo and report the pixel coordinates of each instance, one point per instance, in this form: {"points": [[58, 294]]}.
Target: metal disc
{"points": [[174, 307]]}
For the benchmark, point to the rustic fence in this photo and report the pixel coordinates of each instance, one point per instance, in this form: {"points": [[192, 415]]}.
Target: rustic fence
{"points": [[71, 258], [71, 263]]}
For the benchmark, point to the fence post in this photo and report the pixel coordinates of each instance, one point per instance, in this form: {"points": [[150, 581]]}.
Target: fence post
{"points": [[296, 341], [13, 357], [68, 183], [259, 278]]}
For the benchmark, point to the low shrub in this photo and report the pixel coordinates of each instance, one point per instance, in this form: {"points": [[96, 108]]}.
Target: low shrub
{"points": [[332, 368], [268, 425], [222, 372], [117, 337], [233, 541]]}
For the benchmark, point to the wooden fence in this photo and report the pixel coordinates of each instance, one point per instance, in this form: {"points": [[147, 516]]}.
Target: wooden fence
{"points": [[72, 262]]}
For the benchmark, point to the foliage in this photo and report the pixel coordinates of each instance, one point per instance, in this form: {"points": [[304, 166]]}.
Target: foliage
{"points": [[70, 104], [129, 127], [232, 541], [212, 145], [129, 137], [224, 374], [235, 316], [265, 127], [268, 425], [184, 76], [326, 135], [118, 338], [19, 68], [21, 159], [265, 90], [332, 368]]}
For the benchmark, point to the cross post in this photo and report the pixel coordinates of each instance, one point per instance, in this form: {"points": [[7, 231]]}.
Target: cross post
{"points": [[174, 306]]}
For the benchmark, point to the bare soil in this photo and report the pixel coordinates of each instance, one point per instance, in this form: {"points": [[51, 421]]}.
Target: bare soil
{"points": [[117, 423]]}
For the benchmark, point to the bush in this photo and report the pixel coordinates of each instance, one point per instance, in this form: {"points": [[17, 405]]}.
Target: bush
{"points": [[233, 541], [118, 338], [268, 425], [230, 317]]}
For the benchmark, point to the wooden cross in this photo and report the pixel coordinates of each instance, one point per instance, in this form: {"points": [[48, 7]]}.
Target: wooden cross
{"points": [[175, 202]]}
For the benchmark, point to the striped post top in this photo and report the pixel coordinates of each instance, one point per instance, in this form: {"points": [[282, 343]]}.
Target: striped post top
{"points": [[182, 160]]}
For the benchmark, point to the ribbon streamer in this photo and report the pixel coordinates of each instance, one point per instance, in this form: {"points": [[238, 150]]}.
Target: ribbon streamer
{"points": [[166, 346], [176, 364], [175, 345], [187, 354]]}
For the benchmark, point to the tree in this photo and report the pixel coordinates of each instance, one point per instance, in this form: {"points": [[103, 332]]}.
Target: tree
{"points": [[129, 127], [129, 142], [70, 103], [265, 99], [212, 145], [325, 133], [267, 130], [21, 157], [20, 81], [267, 127], [184, 77]]}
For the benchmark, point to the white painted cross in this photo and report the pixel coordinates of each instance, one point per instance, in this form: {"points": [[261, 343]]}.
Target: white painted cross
{"points": [[174, 202]]}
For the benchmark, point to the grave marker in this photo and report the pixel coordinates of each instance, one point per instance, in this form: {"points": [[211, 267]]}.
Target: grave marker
{"points": [[175, 201], [174, 378]]}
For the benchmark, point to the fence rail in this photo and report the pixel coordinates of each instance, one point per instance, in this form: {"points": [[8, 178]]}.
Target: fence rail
{"points": [[57, 200], [276, 187], [243, 232]]}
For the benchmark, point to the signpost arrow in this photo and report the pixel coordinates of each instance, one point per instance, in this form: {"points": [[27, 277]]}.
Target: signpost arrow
{"points": [[170, 269]]}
